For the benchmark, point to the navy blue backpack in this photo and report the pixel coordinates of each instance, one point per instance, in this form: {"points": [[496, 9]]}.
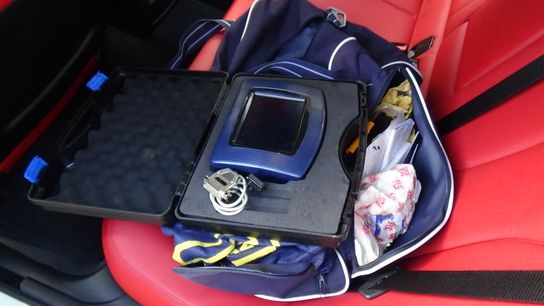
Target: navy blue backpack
{"points": [[292, 37]]}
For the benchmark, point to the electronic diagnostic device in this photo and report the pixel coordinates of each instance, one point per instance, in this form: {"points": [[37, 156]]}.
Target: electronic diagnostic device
{"points": [[273, 131], [273, 162]]}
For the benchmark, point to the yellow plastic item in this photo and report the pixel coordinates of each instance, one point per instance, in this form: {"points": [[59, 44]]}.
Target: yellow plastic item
{"points": [[400, 96], [356, 142]]}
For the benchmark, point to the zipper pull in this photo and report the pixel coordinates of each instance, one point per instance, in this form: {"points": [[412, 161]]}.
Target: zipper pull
{"points": [[322, 285]]}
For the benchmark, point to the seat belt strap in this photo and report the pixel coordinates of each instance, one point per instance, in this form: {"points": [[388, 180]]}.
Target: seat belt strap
{"points": [[494, 96], [516, 286]]}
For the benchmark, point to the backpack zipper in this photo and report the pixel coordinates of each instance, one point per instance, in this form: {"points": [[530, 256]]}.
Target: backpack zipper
{"points": [[322, 284]]}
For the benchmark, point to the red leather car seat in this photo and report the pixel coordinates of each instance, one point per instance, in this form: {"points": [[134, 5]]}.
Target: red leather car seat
{"points": [[497, 209], [495, 223], [4, 3]]}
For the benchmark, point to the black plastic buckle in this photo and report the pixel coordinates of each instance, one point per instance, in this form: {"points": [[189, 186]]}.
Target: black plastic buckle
{"points": [[336, 17], [421, 47], [367, 288]]}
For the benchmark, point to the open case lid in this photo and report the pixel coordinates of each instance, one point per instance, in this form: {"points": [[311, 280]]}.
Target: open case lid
{"points": [[127, 150]]}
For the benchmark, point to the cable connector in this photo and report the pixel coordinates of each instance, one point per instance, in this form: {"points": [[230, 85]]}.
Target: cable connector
{"points": [[219, 183], [254, 183], [228, 191]]}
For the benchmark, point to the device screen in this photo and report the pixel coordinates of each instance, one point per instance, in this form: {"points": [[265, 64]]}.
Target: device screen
{"points": [[272, 120]]}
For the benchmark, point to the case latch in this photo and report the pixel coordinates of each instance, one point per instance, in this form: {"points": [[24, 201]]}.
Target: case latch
{"points": [[34, 168]]}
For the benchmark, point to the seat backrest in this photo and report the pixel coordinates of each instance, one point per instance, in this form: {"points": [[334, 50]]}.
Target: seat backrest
{"points": [[484, 42]]}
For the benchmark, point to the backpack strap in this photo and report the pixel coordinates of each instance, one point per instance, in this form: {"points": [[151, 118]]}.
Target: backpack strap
{"points": [[523, 78], [516, 286], [195, 37]]}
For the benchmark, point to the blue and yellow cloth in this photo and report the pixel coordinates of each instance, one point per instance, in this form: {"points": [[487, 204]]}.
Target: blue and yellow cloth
{"points": [[195, 246]]}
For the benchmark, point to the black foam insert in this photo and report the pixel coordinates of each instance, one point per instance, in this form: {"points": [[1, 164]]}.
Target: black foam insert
{"points": [[138, 156], [312, 210]]}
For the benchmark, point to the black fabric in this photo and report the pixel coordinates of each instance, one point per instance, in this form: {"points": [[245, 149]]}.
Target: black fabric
{"points": [[70, 244], [502, 91], [121, 48], [44, 46], [518, 286], [218, 4], [139, 17]]}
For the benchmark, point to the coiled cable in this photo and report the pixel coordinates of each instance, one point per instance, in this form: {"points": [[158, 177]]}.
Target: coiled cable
{"points": [[228, 191]]}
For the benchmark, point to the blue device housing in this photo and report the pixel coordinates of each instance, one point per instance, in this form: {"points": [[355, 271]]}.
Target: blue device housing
{"points": [[266, 164]]}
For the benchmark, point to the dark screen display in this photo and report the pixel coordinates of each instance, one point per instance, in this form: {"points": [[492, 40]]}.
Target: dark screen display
{"points": [[272, 122]]}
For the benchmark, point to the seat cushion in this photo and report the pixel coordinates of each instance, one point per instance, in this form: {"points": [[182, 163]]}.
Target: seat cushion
{"points": [[139, 258]]}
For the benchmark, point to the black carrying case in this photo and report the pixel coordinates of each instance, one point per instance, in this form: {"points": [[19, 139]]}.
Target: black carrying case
{"points": [[133, 149], [315, 210]]}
